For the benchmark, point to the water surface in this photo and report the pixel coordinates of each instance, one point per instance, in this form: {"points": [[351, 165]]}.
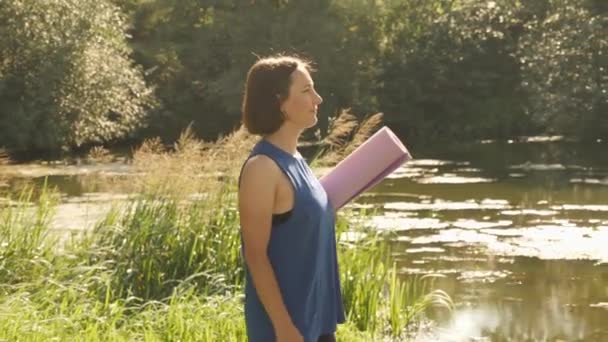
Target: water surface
{"points": [[520, 231]]}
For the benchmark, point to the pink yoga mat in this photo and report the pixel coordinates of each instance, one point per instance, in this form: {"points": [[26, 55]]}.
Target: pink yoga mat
{"points": [[365, 167]]}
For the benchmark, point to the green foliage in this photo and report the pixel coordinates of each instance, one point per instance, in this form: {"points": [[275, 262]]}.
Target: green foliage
{"points": [[564, 55], [24, 247], [462, 69], [65, 76], [200, 52], [438, 70], [157, 246], [158, 270], [450, 73], [30, 316]]}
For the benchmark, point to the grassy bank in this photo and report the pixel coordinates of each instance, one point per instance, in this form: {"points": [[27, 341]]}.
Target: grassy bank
{"points": [[166, 266]]}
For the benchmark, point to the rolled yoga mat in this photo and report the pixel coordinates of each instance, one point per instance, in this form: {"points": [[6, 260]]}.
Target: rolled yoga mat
{"points": [[366, 166]]}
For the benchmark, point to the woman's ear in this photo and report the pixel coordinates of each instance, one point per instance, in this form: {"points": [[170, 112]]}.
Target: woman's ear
{"points": [[280, 102]]}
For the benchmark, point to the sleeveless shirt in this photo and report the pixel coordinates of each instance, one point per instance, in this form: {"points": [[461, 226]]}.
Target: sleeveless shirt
{"points": [[302, 252]]}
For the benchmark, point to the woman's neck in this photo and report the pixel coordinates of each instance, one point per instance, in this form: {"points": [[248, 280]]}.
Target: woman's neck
{"points": [[286, 139]]}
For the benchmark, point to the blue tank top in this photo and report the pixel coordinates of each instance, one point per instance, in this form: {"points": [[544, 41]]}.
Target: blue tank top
{"points": [[302, 252]]}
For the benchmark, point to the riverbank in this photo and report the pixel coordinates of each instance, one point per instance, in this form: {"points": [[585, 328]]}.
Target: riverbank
{"points": [[163, 265]]}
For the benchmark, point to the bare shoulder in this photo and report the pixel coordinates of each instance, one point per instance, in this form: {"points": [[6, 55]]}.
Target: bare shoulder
{"points": [[260, 169], [260, 165], [257, 190]]}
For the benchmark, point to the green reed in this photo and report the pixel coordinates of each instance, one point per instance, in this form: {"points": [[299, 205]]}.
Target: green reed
{"points": [[376, 297], [157, 245], [24, 248]]}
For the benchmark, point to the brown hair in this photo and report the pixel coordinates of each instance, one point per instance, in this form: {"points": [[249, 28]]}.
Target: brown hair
{"points": [[267, 86]]}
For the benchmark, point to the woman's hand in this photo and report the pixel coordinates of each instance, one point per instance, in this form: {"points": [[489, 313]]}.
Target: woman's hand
{"points": [[288, 333]]}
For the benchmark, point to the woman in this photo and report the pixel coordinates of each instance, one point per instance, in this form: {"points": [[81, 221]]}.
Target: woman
{"points": [[292, 290]]}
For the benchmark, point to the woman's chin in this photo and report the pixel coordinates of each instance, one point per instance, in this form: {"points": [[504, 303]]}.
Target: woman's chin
{"points": [[314, 122]]}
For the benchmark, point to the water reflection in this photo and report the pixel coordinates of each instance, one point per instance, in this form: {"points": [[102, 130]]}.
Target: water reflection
{"points": [[594, 181], [519, 233], [506, 310], [453, 179], [439, 205]]}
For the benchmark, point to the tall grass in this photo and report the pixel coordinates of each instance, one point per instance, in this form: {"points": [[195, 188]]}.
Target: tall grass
{"points": [[156, 245], [166, 265], [409, 299], [376, 297], [25, 250], [188, 317]]}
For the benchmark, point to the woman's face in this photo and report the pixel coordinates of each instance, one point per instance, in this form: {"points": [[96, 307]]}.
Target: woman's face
{"points": [[300, 107]]}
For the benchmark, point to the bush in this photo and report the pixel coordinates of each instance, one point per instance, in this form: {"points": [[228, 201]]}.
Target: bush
{"points": [[66, 78]]}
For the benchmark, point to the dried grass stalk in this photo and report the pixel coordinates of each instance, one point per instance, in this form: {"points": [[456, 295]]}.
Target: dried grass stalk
{"points": [[4, 159], [192, 166], [345, 135]]}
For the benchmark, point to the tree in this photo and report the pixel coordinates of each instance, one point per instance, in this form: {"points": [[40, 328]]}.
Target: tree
{"points": [[200, 52], [450, 71], [564, 56], [65, 75]]}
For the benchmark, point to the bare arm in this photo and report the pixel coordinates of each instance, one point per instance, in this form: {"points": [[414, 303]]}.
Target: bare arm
{"points": [[256, 201]]}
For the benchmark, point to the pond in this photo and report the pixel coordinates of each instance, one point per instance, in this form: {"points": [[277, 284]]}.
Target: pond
{"points": [[519, 230]]}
